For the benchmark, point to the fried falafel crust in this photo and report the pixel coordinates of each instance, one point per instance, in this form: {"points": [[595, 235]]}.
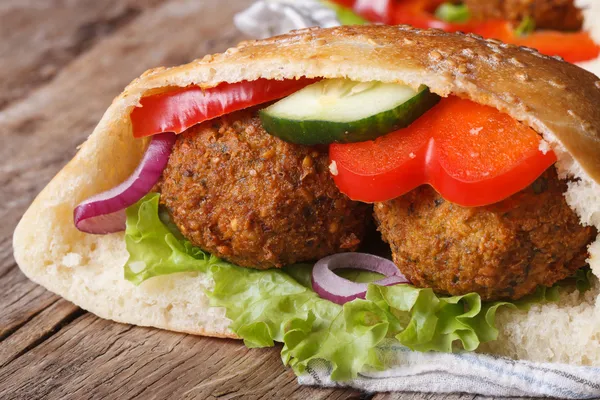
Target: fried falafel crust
{"points": [[562, 15], [502, 251], [255, 200]]}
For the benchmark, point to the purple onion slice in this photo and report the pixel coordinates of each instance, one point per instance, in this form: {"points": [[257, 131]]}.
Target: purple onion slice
{"points": [[105, 212], [334, 288]]}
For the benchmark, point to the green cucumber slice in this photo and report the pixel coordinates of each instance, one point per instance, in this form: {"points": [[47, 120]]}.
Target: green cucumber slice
{"points": [[344, 111]]}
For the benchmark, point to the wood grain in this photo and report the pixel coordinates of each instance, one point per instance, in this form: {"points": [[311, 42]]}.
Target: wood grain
{"points": [[40, 37], [63, 62]]}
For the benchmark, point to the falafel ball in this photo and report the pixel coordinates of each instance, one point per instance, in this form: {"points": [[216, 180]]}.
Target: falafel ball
{"points": [[250, 198], [501, 251], [562, 15]]}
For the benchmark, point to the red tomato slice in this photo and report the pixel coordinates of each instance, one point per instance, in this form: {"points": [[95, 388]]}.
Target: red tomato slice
{"points": [[180, 109], [473, 155]]}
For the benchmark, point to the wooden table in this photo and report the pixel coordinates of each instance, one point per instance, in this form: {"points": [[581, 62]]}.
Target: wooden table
{"points": [[61, 63]]}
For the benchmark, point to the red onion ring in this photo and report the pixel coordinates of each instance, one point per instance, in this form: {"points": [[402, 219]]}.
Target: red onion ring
{"points": [[334, 288], [105, 212]]}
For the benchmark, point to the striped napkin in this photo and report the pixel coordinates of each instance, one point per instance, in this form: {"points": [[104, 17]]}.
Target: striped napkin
{"points": [[407, 370], [464, 373]]}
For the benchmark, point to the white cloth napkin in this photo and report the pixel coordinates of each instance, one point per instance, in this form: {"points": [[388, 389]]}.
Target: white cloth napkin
{"points": [[408, 370], [274, 17], [465, 373]]}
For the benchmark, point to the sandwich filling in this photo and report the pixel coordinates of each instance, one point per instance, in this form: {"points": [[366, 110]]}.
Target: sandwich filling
{"points": [[253, 192]]}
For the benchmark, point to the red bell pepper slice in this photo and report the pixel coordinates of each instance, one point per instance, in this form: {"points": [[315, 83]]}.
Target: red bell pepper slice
{"points": [[473, 155], [573, 47], [177, 110]]}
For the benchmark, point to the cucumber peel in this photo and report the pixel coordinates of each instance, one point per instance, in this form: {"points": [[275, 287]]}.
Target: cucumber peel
{"points": [[344, 111]]}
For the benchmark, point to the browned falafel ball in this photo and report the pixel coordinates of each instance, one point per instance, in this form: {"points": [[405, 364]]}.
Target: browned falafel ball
{"points": [[255, 200], [502, 251], [562, 15]]}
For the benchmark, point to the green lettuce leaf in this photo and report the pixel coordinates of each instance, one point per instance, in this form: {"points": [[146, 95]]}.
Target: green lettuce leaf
{"points": [[280, 306], [156, 248], [526, 27], [344, 14], [450, 12], [272, 306]]}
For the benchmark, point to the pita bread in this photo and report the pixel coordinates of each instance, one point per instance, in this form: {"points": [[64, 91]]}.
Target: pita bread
{"points": [[556, 99]]}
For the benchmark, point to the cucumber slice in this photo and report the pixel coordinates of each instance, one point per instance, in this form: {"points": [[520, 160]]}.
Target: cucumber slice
{"points": [[344, 111]]}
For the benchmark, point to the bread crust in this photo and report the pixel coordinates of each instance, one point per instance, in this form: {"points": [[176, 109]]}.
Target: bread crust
{"points": [[556, 99]]}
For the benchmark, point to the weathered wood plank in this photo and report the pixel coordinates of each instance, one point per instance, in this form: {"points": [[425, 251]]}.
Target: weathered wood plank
{"points": [[95, 359], [40, 37], [21, 301], [35, 331]]}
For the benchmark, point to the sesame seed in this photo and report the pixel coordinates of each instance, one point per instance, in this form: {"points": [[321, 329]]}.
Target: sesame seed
{"points": [[516, 62], [522, 76], [496, 58], [557, 84], [435, 55], [510, 98]]}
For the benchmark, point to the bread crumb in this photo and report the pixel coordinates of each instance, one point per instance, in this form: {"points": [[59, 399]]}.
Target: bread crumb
{"points": [[475, 131], [71, 260], [412, 155], [544, 146]]}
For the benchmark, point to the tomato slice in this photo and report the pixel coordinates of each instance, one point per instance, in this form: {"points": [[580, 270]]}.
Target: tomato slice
{"points": [[180, 109], [473, 155]]}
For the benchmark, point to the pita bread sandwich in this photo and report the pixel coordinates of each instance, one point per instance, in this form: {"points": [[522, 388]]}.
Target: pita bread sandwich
{"points": [[218, 198]]}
